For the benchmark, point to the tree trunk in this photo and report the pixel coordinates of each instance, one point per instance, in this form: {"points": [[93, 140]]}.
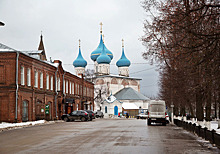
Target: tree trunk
{"points": [[199, 106], [208, 106]]}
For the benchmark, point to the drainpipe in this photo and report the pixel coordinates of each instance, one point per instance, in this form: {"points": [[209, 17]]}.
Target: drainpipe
{"points": [[16, 96], [64, 87], [55, 99]]}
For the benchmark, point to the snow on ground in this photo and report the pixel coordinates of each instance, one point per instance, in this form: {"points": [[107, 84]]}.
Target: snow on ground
{"points": [[210, 125], [4, 125]]}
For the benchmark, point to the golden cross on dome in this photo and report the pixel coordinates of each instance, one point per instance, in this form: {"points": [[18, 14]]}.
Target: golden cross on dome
{"points": [[79, 43], [101, 27], [122, 43]]}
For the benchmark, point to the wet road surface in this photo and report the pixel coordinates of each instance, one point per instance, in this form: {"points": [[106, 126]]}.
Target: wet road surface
{"points": [[102, 136]]}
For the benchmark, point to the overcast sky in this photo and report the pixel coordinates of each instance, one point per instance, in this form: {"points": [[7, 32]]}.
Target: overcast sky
{"points": [[63, 23]]}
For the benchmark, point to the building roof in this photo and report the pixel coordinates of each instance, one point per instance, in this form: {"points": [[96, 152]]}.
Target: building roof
{"points": [[103, 58], [97, 52], [117, 76], [80, 61], [123, 61], [41, 47], [111, 99], [4, 48], [130, 94]]}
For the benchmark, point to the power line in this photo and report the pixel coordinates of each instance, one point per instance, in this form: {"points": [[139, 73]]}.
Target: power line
{"points": [[114, 64], [142, 70], [149, 85]]}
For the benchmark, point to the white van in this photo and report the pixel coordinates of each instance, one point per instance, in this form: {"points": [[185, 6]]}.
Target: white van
{"points": [[156, 112]]}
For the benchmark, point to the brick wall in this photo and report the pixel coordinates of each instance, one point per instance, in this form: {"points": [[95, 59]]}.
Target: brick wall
{"points": [[31, 98]]}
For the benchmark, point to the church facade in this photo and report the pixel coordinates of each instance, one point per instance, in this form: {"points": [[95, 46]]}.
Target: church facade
{"points": [[106, 84]]}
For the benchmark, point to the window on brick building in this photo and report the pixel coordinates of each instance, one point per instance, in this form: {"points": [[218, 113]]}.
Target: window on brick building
{"points": [[29, 77], [73, 88], [41, 80], [67, 86], [47, 82], [2, 74], [84, 91], [35, 79], [70, 87], [58, 84], [22, 75], [64, 86], [51, 83]]}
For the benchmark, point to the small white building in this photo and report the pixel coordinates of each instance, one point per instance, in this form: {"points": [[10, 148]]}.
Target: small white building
{"points": [[111, 107], [133, 101]]}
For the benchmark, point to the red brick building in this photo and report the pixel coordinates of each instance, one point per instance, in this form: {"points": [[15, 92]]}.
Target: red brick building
{"points": [[32, 88]]}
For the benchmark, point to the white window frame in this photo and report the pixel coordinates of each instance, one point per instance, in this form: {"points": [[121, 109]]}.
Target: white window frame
{"points": [[64, 86], [70, 87], [67, 86], [22, 76], [35, 79], [28, 77], [41, 80], [48, 82], [73, 88], [51, 83]]}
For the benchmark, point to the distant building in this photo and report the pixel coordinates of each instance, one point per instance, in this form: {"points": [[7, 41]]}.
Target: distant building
{"points": [[106, 83], [32, 88], [133, 101], [111, 107]]}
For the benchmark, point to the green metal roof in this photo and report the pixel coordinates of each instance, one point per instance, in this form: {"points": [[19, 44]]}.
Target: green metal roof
{"points": [[130, 94]]}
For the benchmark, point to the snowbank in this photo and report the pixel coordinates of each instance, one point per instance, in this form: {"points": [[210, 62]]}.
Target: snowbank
{"points": [[210, 125], [22, 124]]}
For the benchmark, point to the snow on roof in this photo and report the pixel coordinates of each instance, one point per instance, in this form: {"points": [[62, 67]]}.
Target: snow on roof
{"points": [[4, 48], [129, 106], [130, 94], [33, 52]]}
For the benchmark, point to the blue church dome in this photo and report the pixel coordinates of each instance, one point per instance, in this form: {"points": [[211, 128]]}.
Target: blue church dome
{"points": [[103, 58], [123, 61], [96, 53], [80, 61]]}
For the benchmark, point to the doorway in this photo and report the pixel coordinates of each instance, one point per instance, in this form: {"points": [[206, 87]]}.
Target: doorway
{"points": [[25, 111]]}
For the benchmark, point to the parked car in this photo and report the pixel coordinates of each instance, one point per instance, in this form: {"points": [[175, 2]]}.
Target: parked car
{"points": [[99, 114], [76, 115], [142, 116], [167, 118], [91, 114], [157, 112]]}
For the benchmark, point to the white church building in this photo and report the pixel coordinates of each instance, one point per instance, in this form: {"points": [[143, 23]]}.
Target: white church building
{"points": [[107, 85]]}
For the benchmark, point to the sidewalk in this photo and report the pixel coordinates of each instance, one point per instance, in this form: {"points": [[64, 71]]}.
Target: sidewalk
{"points": [[8, 126]]}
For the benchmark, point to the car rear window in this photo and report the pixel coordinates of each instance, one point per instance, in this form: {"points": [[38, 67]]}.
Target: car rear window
{"points": [[157, 108]]}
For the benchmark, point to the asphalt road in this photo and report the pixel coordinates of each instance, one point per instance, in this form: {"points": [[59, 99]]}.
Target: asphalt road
{"points": [[102, 136]]}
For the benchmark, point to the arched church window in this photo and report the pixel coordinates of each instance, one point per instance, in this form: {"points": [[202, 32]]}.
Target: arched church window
{"points": [[125, 82], [114, 81], [100, 81], [134, 83]]}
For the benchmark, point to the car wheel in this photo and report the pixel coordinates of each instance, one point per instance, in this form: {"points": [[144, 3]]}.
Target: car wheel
{"points": [[83, 119], [164, 123], [66, 119], [137, 117], [148, 122]]}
